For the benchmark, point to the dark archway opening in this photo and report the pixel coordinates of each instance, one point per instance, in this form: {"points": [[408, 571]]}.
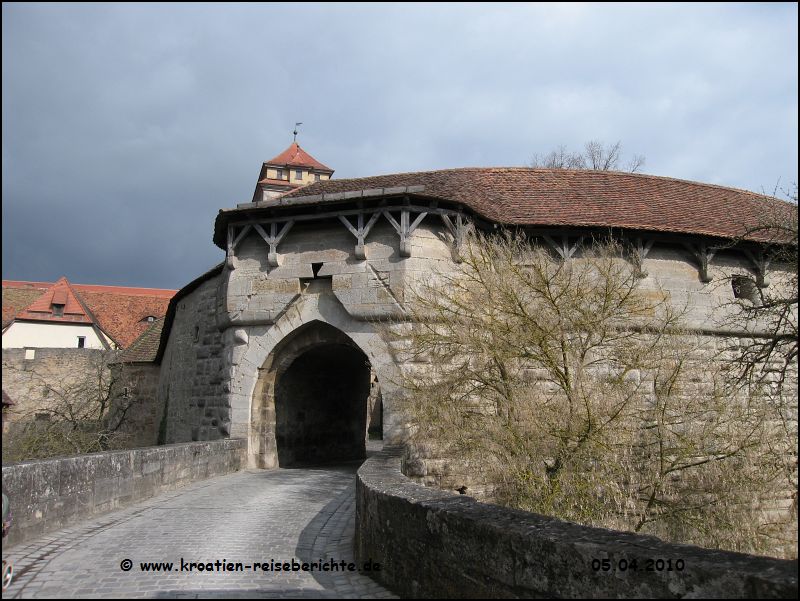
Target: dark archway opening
{"points": [[321, 406]]}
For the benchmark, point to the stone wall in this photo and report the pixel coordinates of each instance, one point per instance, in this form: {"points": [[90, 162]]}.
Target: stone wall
{"points": [[34, 383], [139, 384], [50, 494], [194, 377], [55, 375], [435, 544]]}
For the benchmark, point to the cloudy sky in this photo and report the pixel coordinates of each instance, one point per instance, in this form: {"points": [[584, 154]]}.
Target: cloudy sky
{"points": [[126, 127]]}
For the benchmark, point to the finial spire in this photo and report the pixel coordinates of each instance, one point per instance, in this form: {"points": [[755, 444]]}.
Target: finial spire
{"points": [[295, 130]]}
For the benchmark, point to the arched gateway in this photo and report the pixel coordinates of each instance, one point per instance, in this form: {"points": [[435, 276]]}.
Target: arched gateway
{"points": [[307, 388], [311, 401]]}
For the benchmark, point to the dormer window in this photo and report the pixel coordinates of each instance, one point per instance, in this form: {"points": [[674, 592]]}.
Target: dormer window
{"points": [[58, 310], [149, 318]]}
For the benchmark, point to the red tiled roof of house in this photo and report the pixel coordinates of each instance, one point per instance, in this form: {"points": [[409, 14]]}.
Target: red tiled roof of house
{"points": [[62, 294], [15, 299], [145, 347], [294, 156], [121, 312], [556, 197], [124, 316]]}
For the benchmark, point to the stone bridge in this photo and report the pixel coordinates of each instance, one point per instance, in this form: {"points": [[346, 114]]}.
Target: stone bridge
{"points": [[104, 525]]}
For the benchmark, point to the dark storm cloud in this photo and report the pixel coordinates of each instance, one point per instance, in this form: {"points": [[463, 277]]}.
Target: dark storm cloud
{"points": [[126, 127]]}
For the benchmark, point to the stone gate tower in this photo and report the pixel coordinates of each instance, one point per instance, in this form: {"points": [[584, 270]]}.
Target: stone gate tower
{"points": [[281, 342]]}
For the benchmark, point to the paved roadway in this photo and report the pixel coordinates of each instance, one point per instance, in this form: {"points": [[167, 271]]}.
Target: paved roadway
{"points": [[251, 516]]}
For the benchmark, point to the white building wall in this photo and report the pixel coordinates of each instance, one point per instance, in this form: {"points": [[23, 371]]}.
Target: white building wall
{"points": [[22, 334]]}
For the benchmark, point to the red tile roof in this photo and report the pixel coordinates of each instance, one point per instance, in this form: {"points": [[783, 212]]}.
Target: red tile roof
{"points": [[121, 312], [15, 299], [145, 347], [59, 293], [556, 197], [294, 156]]}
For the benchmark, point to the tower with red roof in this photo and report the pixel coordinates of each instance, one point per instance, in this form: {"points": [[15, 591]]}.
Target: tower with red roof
{"points": [[291, 169]]}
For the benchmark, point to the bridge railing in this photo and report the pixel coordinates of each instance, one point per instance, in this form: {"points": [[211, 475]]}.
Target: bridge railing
{"points": [[436, 544], [49, 494]]}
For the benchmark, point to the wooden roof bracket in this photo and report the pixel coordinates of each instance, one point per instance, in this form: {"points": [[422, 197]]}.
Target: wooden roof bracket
{"points": [[638, 251], [273, 239], [233, 242], [361, 231], [459, 231], [760, 263], [565, 250], [702, 254], [405, 228]]}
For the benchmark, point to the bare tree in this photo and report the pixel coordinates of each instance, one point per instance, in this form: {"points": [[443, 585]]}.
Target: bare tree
{"points": [[764, 364], [595, 156], [83, 413], [581, 396], [768, 308]]}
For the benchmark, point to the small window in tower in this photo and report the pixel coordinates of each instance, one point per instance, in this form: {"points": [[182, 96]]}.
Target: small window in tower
{"points": [[316, 177], [58, 310], [81, 341], [298, 174]]}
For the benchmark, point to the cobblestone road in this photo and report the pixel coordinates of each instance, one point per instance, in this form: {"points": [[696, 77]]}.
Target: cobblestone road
{"points": [[250, 516]]}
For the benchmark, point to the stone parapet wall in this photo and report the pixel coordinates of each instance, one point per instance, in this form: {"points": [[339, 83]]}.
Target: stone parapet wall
{"points": [[50, 494], [432, 543]]}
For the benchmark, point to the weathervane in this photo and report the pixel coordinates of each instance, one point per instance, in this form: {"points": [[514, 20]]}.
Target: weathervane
{"points": [[295, 130]]}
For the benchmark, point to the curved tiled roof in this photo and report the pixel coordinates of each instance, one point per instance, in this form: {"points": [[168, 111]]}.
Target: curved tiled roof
{"points": [[560, 197]]}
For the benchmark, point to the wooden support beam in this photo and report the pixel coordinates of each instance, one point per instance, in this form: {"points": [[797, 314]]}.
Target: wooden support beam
{"points": [[403, 229], [702, 254], [459, 231], [233, 242], [565, 250], [416, 222], [639, 252], [760, 263], [361, 232], [229, 250], [273, 238], [432, 208]]}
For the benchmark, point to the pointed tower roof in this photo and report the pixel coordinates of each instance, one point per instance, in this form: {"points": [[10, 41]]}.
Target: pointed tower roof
{"points": [[294, 156], [60, 293]]}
